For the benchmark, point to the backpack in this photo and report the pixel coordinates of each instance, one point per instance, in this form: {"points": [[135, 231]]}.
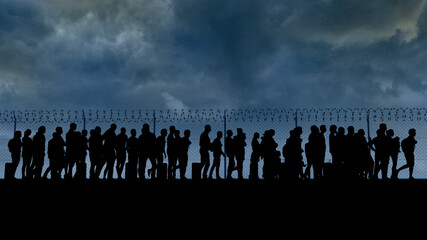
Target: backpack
{"points": [[404, 144]]}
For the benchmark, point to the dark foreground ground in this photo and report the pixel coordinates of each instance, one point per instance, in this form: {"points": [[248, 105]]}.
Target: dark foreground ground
{"points": [[219, 209]]}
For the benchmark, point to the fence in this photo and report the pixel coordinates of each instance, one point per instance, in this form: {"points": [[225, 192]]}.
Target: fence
{"points": [[250, 120]]}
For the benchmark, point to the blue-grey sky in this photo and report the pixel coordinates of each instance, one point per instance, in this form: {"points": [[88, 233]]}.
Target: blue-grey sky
{"points": [[212, 53]]}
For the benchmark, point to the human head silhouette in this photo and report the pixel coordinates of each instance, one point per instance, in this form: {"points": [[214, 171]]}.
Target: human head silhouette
{"points": [[59, 130], [229, 133], [27, 132], [17, 134], [412, 132], [163, 132], [390, 133], [219, 134], [133, 132], [187, 133], [42, 129], [333, 128], [73, 126], [256, 135], [113, 126], [207, 128]]}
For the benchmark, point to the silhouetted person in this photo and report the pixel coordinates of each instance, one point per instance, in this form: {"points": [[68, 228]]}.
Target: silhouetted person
{"points": [[381, 152], [95, 153], [365, 163], [333, 143], [269, 154], [56, 155], [408, 148], [340, 149], [71, 152], [147, 141], [255, 155], [217, 152], [160, 147], [312, 150], [183, 159], [394, 149], [179, 150], [292, 152], [132, 149], [27, 154], [205, 147], [39, 143], [121, 145], [15, 145], [239, 151], [229, 150], [172, 152], [350, 160], [318, 166], [82, 153], [109, 152]]}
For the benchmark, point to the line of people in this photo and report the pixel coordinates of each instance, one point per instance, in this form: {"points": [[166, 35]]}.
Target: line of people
{"points": [[351, 156]]}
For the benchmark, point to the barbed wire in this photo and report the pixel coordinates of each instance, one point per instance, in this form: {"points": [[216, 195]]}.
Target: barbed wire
{"points": [[214, 115]]}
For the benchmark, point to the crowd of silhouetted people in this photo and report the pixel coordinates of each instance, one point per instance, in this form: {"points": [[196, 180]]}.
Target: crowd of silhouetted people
{"points": [[109, 152]]}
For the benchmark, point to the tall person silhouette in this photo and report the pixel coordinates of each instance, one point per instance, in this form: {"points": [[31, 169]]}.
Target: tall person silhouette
{"points": [[95, 153], [408, 148], [394, 149], [132, 148], [205, 147], [184, 158], [71, 152], [27, 154], [15, 146], [217, 152], [39, 143], [121, 145], [229, 150], [172, 153], [160, 147], [109, 152], [255, 155], [240, 144], [147, 142]]}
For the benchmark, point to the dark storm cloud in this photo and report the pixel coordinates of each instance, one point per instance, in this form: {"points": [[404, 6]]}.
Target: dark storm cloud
{"points": [[200, 53]]}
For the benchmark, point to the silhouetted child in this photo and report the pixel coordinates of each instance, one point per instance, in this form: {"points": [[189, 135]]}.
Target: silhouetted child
{"points": [[15, 146], [408, 148], [217, 152]]}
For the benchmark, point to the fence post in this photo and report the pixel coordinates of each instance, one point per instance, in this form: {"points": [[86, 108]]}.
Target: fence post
{"points": [[14, 123], [296, 117], [154, 122], [367, 123], [84, 119], [225, 150]]}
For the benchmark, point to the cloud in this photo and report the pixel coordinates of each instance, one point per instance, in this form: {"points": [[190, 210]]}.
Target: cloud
{"points": [[173, 103], [349, 22], [210, 54]]}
